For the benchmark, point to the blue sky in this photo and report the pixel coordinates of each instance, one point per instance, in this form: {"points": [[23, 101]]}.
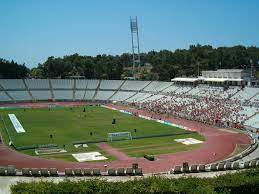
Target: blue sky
{"points": [[32, 30]]}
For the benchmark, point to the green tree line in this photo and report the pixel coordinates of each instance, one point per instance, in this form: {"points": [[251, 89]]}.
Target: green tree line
{"points": [[11, 69], [166, 64]]}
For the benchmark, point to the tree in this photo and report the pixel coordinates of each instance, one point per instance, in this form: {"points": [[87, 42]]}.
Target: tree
{"points": [[12, 69], [166, 64]]}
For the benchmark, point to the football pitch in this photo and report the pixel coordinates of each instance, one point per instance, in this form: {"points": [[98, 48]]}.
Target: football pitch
{"points": [[91, 124]]}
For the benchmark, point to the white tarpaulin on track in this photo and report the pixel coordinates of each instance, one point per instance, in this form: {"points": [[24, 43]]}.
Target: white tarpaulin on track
{"points": [[17, 125], [188, 141], [90, 156]]}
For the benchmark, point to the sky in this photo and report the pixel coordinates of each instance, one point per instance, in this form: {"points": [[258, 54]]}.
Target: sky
{"points": [[33, 30]]}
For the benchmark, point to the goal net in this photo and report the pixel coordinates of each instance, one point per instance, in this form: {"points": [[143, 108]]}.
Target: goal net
{"points": [[119, 136]]}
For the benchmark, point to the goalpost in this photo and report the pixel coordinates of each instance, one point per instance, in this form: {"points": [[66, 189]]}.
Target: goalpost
{"points": [[119, 135]]}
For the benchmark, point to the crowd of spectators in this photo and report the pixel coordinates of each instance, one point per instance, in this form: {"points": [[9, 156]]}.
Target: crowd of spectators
{"points": [[207, 105]]}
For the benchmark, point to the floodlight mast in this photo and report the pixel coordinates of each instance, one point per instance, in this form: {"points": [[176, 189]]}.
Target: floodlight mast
{"points": [[135, 42], [251, 63]]}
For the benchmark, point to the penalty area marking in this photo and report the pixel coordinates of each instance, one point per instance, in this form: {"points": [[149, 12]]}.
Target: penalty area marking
{"points": [[188, 141], [89, 156], [17, 125]]}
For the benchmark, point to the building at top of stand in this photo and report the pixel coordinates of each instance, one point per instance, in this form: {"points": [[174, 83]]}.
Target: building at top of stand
{"points": [[220, 77], [227, 76]]}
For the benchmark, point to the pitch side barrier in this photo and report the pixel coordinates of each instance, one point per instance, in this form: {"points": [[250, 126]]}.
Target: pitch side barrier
{"points": [[149, 118], [36, 146], [11, 170], [134, 137]]}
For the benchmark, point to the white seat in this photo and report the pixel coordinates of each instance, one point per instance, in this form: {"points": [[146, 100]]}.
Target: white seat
{"points": [[20, 95], [12, 84], [37, 83]]}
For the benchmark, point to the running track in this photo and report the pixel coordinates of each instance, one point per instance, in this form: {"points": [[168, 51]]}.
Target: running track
{"points": [[218, 145]]}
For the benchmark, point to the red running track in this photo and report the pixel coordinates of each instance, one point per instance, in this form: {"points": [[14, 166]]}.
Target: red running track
{"points": [[218, 145]]}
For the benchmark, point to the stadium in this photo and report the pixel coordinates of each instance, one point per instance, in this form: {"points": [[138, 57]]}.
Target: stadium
{"points": [[118, 127], [132, 97]]}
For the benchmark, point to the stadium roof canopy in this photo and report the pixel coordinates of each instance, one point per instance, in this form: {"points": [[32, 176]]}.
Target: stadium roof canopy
{"points": [[184, 79], [235, 80], [214, 79], [221, 79], [206, 79]]}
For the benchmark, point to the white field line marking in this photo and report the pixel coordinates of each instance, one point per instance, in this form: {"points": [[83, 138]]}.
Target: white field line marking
{"points": [[17, 125]]}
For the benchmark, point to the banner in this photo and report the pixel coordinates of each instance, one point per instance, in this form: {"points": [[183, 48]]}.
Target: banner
{"points": [[17, 125]]}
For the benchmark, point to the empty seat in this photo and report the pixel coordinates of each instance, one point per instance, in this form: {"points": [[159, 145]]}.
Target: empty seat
{"points": [[62, 83], [2, 171], [177, 170], [236, 165], [79, 94], [155, 86], [245, 94], [87, 172], [4, 97], [26, 172], [11, 171], [121, 171], [228, 165], [247, 164], [110, 84], [138, 171], [81, 84], [20, 95], [37, 83], [89, 95], [112, 172], [202, 168], [44, 172], [104, 95], [221, 166], [237, 158], [78, 172], [213, 167], [138, 97], [69, 172], [121, 95], [134, 85], [244, 154], [92, 84], [170, 89], [53, 172], [129, 171], [35, 172], [96, 172], [194, 168], [63, 94], [41, 95], [253, 163], [12, 84]]}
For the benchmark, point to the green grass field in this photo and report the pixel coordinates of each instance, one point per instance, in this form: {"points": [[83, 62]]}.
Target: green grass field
{"points": [[68, 125]]}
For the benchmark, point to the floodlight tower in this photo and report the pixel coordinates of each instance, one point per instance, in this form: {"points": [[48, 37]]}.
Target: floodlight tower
{"points": [[252, 68], [135, 42]]}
